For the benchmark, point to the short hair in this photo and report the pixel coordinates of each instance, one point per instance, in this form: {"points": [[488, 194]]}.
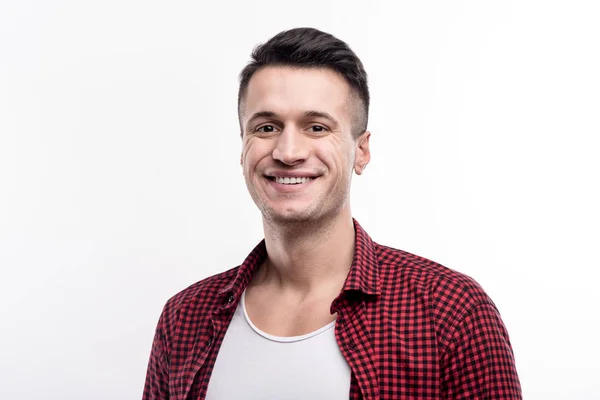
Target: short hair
{"points": [[311, 48]]}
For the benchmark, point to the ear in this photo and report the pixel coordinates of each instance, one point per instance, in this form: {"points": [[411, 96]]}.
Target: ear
{"points": [[363, 153]]}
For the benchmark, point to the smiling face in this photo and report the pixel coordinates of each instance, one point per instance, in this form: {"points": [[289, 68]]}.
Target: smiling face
{"points": [[298, 152]]}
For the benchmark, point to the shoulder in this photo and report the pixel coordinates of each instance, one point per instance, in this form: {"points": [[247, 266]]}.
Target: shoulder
{"points": [[448, 295], [428, 275], [200, 295]]}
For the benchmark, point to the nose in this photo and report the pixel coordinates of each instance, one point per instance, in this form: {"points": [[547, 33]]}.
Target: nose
{"points": [[291, 148]]}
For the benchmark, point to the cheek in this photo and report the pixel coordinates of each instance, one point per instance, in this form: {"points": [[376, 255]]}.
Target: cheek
{"points": [[252, 154], [337, 156]]}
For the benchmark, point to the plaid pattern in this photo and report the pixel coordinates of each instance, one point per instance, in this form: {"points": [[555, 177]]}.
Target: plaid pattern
{"points": [[409, 329]]}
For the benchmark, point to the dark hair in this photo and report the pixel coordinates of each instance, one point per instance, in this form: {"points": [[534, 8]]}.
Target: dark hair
{"points": [[311, 48]]}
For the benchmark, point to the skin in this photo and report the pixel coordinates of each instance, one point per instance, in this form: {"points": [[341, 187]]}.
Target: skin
{"points": [[299, 122]]}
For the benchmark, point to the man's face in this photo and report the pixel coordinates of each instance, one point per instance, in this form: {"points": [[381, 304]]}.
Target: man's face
{"points": [[298, 152]]}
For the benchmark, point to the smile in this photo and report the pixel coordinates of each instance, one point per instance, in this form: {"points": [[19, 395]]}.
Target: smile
{"points": [[291, 180]]}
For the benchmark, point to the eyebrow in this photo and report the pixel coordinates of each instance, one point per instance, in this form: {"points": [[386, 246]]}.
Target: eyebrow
{"points": [[306, 114], [262, 114], [320, 114]]}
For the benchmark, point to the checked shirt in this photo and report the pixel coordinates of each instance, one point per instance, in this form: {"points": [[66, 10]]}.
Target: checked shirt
{"points": [[408, 327]]}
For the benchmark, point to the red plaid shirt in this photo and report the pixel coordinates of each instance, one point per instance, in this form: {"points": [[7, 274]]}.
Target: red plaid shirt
{"points": [[409, 329]]}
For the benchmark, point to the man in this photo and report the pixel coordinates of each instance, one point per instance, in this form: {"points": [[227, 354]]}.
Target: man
{"points": [[318, 310]]}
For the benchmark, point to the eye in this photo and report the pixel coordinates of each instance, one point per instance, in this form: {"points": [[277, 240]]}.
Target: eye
{"points": [[265, 129], [318, 129]]}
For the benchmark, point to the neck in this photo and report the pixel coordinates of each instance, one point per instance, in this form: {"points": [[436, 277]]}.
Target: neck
{"points": [[308, 258]]}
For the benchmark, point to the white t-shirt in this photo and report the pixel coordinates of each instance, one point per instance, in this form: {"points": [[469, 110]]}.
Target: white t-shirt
{"points": [[253, 365]]}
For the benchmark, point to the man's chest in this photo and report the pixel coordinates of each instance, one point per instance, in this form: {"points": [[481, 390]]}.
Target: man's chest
{"points": [[264, 365], [390, 356]]}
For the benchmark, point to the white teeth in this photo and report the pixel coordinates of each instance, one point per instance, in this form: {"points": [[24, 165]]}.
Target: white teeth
{"points": [[292, 180]]}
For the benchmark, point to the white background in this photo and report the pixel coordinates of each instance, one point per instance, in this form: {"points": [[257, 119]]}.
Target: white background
{"points": [[120, 181]]}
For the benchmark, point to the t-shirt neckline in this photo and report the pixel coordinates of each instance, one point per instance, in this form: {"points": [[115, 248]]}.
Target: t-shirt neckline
{"points": [[281, 339]]}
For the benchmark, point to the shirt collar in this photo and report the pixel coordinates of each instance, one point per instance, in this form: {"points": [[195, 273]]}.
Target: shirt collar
{"points": [[364, 272], [363, 275]]}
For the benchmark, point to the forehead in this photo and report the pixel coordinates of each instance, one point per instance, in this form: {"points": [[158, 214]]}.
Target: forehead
{"points": [[287, 90]]}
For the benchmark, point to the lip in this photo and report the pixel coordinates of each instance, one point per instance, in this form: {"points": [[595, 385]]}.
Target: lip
{"points": [[290, 174]]}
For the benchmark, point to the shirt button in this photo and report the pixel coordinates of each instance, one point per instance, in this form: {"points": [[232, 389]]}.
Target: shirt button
{"points": [[350, 346], [230, 299]]}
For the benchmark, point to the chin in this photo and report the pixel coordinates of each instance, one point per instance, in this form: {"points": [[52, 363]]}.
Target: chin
{"points": [[290, 216]]}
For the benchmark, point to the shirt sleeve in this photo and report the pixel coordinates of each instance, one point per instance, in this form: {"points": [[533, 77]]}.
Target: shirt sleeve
{"points": [[479, 362], [156, 386]]}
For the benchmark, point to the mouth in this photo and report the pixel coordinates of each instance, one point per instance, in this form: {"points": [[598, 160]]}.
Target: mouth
{"points": [[290, 180]]}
